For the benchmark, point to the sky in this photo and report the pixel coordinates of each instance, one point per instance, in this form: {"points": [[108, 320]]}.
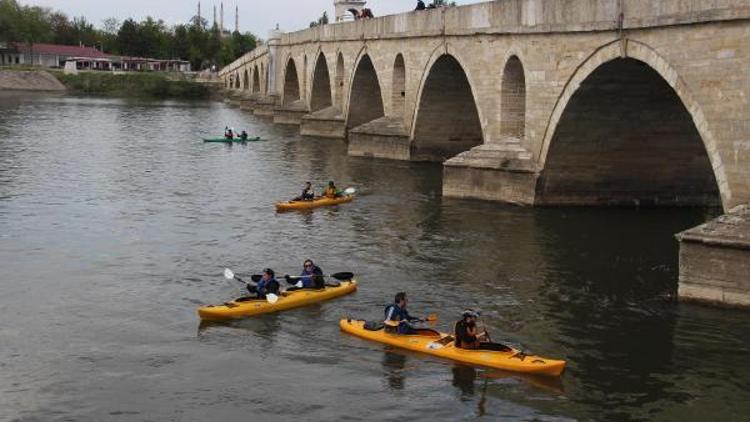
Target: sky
{"points": [[256, 16]]}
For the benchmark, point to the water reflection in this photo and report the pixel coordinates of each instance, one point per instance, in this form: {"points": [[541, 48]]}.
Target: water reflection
{"points": [[393, 366]]}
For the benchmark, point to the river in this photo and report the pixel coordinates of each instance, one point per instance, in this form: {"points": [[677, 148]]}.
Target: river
{"points": [[116, 223]]}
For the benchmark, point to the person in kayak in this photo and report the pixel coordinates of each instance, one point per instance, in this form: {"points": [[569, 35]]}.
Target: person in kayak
{"points": [[307, 193], [266, 285], [397, 318], [467, 337], [311, 277], [243, 135], [228, 133], [331, 191]]}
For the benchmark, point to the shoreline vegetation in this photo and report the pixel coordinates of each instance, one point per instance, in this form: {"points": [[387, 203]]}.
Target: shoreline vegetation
{"points": [[133, 84]]}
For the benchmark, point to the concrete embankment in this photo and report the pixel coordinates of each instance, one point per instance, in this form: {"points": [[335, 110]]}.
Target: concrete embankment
{"points": [[29, 80], [136, 84]]}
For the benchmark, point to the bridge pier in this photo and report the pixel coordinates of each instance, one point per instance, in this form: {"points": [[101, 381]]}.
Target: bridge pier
{"points": [[497, 172], [247, 103], [385, 137], [265, 106], [326, 123], [290, 114], [715, 260]]}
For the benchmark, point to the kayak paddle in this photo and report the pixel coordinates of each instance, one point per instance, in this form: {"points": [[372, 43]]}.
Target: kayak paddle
{"points": [[270, 297]]}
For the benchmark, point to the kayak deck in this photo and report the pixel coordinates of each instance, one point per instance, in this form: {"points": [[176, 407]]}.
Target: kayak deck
{"points": [[321, 201], [287, 300], [227, 140], [441, 345]]}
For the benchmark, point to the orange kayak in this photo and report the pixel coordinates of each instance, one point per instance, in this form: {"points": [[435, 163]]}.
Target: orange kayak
{"points": [[441, 345], [320, 201]]}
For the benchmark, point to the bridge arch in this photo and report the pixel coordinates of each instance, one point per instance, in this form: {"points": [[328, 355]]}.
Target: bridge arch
{"points": [[447, 120], [237, 82], [365, 96], [291, 83], [513, 99], [627, 130], [321, 97], [246, 80], [256, 80], [340, 80], [398, 86]]}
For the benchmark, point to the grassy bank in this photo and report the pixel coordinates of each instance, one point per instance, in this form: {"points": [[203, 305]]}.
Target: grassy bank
{"points": [[156, 85]]}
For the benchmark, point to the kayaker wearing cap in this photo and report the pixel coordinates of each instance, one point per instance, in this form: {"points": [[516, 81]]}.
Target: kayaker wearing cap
{"points": [[467, 337], [398, 318], [266, 285], [311, 277], [331, 191]]}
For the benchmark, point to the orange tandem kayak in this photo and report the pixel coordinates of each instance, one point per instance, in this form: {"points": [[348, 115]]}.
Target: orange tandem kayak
{"points": [[320, 201], [441, 345]]}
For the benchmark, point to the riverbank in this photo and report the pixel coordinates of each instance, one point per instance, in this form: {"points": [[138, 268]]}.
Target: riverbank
{"points": [[155, 85], [151, 85], [29, 80]]}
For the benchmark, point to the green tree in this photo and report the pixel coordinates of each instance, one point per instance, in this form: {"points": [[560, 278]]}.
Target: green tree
{"points": [[10, 13], [127, 38]]}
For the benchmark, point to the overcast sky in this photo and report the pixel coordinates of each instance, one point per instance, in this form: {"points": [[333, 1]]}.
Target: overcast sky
{"points": [[257, 16]]}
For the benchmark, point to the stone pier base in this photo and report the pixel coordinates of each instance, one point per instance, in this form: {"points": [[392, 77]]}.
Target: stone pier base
{"points": [[381, 138], [248, 103], [264, 106], [326, 123], [290, 114], [715, 260], [503, 172]]}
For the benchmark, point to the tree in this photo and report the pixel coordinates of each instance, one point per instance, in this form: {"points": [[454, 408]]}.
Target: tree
{"points": [[127, 38], [10, 13]]}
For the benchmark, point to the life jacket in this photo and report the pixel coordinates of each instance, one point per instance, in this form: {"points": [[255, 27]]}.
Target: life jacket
{"points": [[463, 339], [330, 192], [311, 280]]}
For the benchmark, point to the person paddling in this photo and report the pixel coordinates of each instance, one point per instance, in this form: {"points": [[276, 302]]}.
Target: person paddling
{"points": [[311, 277], [467, 337], [307, 193], [331, 191], [243, 135], [397, 318], [265, 286]]}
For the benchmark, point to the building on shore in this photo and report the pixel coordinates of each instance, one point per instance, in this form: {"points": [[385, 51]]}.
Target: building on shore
{"points": [[73, 57]]}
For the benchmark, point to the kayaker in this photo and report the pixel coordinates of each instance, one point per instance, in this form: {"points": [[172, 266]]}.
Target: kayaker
{"points": [[243, 135], [397, 318], [331, 191], [307, 193], [467, 337], [229, 133], [266, 285], [312, 277]]}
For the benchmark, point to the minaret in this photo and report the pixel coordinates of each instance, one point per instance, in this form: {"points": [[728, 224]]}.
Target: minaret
{"points": [[214, 14], [236, 19], [199, 12], [221, 25]]}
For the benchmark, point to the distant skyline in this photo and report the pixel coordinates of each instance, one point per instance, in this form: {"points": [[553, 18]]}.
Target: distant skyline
{"points": [[257, 16]]}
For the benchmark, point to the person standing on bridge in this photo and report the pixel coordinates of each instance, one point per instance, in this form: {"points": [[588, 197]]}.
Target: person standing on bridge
{"points": [[420, 5]]}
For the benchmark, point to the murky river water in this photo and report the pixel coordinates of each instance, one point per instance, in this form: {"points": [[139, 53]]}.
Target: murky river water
{"points": [[116, 222]]}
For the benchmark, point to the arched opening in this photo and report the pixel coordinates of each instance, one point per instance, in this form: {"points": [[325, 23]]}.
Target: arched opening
{"points": [[398, 95], [321, 86], [246, 81], [365, 100], [626, 138], [447, 120], [291, 83], [256, 80], [340, 81], [226, 82], [513, 100]]}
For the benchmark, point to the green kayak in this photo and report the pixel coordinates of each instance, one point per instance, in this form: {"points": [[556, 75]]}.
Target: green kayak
{"points": [[227, 140]]}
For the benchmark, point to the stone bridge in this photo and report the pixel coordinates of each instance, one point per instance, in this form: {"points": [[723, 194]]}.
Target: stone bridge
{"points": [[538, 102]]}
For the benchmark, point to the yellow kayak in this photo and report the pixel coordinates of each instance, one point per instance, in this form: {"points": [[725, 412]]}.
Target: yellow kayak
{"points": [[287, 300], [320, 201], [441, 345]]}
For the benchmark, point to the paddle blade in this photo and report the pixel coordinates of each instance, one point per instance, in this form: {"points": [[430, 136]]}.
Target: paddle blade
{"points": [[256, 277], [350, 191], [391, 323], [228, 273], [343, 276], [431, 318], [272, 298]]}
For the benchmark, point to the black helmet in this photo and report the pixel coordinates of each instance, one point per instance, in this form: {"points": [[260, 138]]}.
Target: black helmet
{"points": [[270, 272]]}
